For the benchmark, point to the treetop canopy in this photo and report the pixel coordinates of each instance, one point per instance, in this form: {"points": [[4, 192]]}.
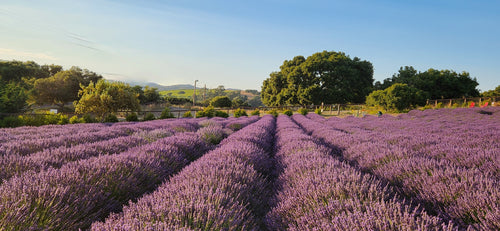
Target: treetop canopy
{"points": [[328, 77]]}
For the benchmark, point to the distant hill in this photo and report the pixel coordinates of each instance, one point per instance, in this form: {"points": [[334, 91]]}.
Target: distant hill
{"points": [[158, 86], [170, 87]]}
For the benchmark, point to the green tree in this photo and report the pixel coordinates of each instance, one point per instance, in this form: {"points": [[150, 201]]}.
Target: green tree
{"points": [[398, 97], [16, 70], [220, 91], [329, 77], [492, 93], [151, 95], [271, 94], [85, 75], [12, 98], [377, 98], [240, 101], [105, 97], [140, 93], [437, 84], [220, 101], [51, 69], [405, 75], [58, 89]]}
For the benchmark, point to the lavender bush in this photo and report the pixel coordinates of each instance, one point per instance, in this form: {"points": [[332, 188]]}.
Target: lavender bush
{"points": [[316, 191], [81, 192], [412, 153], [221, 191]]}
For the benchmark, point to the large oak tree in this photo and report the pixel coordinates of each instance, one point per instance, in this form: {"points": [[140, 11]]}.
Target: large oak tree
{"points": [[324, 77]]}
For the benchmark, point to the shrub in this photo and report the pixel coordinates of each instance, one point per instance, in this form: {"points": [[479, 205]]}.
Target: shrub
{"points": [[87, 118], [149, 116], [274, 112], [187, 115], [207, 112], [288, 112], [111, 118], [240, 112], [75, 120], [165, 114], [11, 122], [255, 112], [51, 119], [63, 119], [32, 120], [397, 97], [221, 114], [132, 117], [303, 111], [318, 111], [428, 106]]}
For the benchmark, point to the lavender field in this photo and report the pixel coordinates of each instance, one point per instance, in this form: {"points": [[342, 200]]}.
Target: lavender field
{"points": [[425, 170]]}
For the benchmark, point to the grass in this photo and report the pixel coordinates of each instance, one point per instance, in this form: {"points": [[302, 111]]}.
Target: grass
{"points": [[182, 93]]}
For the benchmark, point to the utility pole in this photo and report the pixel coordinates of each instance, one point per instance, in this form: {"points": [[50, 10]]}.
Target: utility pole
{"points": [[194, 93]]}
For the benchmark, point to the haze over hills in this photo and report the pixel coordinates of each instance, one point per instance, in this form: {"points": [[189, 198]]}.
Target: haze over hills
{"points": [[169, 87]]}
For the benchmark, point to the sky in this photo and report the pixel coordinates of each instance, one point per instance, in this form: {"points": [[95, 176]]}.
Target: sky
{"points": [[237, 44]]}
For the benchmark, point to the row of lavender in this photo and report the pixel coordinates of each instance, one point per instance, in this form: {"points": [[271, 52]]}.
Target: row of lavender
{"points": [[317, 191], [71, 135], [104, 142], [230, 187], [26, 140], [15, 163], [81, 192], [444, 134], [226, 189], [418, 164], [47, 131]]}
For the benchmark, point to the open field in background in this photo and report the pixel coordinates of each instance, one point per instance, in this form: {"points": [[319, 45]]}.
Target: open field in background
{"points": [[188, 93], [182, 93], [422, 170]]}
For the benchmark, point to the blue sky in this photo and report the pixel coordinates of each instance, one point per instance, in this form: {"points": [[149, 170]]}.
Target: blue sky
{"points": [[238, 43]]}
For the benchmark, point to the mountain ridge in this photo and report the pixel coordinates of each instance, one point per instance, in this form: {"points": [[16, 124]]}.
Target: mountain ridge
{"points": [[164, 87]]}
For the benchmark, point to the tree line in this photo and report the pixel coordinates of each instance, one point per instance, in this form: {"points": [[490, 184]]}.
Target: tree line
{"points": [[27, 83], [24, 84], [334, 78]]}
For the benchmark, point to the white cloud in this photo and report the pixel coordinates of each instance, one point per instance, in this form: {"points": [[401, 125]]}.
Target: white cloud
{"points": [[23, 55]]}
